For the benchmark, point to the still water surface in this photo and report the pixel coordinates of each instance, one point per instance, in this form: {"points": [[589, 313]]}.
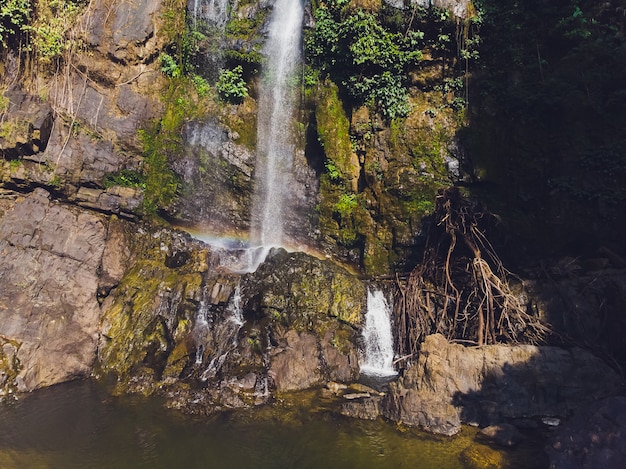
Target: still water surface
{"points": [[77, 425]]}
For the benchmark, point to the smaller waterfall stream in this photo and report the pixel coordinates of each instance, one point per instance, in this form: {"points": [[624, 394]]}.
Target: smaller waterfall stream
{"points": [[378, 337], [216, 334]]}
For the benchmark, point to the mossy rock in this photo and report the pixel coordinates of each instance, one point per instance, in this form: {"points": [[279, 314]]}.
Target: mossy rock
{"points": [[10, 366], [333, 128], [306, 291], [147, 318]]}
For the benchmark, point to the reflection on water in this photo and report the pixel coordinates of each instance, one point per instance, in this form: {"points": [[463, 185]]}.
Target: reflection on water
{"points": [[79, 426]]}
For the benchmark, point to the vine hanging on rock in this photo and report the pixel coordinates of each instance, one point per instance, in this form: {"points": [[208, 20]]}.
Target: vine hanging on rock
{"points": [[461, 289]]}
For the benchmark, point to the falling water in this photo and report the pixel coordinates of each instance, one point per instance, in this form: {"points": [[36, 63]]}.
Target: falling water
{"points": [[377, 336], [215, 333], [275, 139], [212, 12]]}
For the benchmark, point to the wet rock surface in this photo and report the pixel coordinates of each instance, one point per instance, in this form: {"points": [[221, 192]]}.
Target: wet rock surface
{"points": [[184, 329], [217, 178]]}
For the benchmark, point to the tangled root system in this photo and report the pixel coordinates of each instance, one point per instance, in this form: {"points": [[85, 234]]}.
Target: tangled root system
{"points": [[461, 289]]}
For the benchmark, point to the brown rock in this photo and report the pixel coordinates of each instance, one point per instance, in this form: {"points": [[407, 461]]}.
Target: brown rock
{"points": [[48, 283], [485, 385], [296, 365]]}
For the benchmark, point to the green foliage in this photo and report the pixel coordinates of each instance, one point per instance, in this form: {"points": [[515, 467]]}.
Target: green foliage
{"points": [[346, 205], [333, 173], [251, 58], [365, 57], [184, 47], [126, 178], [15, 164], [51, 32], [231, 86], [201, 85], [169, 66], [244, 38], [4, 102], [14, 18], [162, 144]]}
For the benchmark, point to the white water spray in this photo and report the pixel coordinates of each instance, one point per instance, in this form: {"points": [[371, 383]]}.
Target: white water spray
{"points": [[378, 337], [216, 334], [275, 139], [212, 12]]}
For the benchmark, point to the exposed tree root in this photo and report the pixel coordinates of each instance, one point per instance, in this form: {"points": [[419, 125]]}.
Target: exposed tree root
{"points": [[461, 288]]}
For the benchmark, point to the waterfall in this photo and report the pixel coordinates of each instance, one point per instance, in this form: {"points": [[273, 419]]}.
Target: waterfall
{"points": [[377, 336], [284, 186], [212, 12], [216, 334], [275, 138]]}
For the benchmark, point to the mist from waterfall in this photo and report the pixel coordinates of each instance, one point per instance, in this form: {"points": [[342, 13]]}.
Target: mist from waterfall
{"points": [[377, 337], [275, 137]]}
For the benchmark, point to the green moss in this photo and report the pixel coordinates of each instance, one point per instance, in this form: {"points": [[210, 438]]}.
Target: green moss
{"points": [[333, 128], [310, 292], [173, 22], [242, 120], [162, 142], [125, 178], [10, 366], [150, 295]]}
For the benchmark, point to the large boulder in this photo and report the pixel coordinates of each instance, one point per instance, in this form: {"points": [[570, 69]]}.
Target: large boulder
{"points": [[312, 311], [451, 384]]}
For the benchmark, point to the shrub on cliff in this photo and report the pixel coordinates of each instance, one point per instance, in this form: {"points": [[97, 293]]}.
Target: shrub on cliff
{"points": [[231, 86], [14, 17]]}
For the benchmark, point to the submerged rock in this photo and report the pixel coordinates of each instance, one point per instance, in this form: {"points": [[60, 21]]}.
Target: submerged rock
{"points": [[503, 434]]}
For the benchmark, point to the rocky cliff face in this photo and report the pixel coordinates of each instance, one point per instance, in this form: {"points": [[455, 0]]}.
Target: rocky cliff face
{"points": [[91, 282], [50, 314]]}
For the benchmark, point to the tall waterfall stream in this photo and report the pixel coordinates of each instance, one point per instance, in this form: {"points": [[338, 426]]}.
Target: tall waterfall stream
{"points": [[275, 139]]}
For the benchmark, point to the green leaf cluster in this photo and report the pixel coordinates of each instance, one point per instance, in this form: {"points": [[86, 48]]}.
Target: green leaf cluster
{"points": [[367, 58], [125, 178], [51, 32], [169, 66], [346, 205], [231, 86], [14, 17]]}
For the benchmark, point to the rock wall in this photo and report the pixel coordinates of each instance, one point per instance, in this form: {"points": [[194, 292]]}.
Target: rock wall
{"points": [[177, 326], [51, 255], [90, 284]]}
